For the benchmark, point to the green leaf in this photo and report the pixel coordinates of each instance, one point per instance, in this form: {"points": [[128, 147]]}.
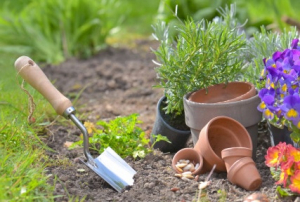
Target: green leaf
{"points": [[284, 192]]}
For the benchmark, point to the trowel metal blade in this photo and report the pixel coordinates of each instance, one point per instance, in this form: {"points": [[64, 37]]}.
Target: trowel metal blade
{"points": [[113, 169]]}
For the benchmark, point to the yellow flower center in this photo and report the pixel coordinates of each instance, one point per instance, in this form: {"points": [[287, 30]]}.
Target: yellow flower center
{"points": [[268, 113], [292, 113], [284, 88], [262, 105], [272, 85]]}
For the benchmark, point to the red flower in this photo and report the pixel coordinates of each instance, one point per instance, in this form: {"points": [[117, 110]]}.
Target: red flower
{"points": [[295, 182], [275, 155]]}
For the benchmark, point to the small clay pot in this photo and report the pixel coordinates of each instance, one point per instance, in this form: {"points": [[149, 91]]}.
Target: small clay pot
{"points": [[220, 133], [188, 154], [219, 93], [245, 174], [232, 154]]}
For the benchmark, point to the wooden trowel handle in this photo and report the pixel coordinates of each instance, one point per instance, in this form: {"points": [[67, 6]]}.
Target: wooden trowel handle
{"points": [[33, 75]]}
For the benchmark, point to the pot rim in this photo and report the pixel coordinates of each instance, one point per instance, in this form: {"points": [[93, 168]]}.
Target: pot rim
{"points": [[232, 84], [220, 104], [236, 151], [208, 125], [184, 132]]}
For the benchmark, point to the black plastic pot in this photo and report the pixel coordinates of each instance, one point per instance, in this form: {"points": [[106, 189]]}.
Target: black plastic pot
{"points": [[177, 137], [280, 135]]}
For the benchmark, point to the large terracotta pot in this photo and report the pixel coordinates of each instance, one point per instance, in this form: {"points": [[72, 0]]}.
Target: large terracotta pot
{"points": [[218, 134], [197, 114]]}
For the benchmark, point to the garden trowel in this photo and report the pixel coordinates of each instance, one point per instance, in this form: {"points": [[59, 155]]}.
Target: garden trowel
{"points": [[109, 165]]}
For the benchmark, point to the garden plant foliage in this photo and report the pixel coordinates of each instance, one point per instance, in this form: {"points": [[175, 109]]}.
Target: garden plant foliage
{"points": [[203, 53], [123, 135], [53, 30]]}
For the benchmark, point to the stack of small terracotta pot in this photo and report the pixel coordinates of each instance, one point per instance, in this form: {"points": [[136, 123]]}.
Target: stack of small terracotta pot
{"points": [[241, 169], [224, 142]]}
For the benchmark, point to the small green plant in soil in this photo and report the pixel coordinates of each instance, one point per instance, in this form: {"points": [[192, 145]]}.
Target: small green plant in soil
{"points": [[121, 134]]}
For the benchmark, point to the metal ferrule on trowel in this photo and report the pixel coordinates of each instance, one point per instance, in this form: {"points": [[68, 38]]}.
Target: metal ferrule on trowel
{"points": [[109, 165]]}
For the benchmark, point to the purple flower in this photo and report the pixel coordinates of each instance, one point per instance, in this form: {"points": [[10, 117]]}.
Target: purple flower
{"points": [[291, 107], [268, 99], [280, 97], [277, 56], [272, 77], [294, 44]]}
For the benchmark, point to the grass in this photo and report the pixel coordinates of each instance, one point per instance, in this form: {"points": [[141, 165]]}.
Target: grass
{"points": [[22, 161]]}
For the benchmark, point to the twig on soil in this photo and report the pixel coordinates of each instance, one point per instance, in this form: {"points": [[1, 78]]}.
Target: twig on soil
{"points": [[206, 183]]}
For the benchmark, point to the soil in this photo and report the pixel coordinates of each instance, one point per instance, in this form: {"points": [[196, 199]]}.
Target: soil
{"points": [[118, 82]]}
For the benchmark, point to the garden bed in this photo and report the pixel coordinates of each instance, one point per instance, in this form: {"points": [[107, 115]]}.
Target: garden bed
{"points": [[118, 82]]}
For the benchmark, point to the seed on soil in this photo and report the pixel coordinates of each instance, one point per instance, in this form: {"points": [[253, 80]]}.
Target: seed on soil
{"points": [[174, 189], [187, 173], [257, 197], [196, 178], [203, 185], [185, 178], [81, 170], [178, 175]]}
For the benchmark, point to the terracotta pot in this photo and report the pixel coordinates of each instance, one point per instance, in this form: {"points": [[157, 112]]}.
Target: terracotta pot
{"points": [[244, 111], [178, 138], [190, 154], [232, 154], [233, 91], [245, 174], [220, 133]]}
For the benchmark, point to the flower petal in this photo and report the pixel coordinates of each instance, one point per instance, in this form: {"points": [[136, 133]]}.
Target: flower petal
{"points": [[295, 182]]}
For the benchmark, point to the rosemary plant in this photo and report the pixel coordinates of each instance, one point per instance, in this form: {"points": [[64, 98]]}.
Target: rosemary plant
{"points": [[203, 53], [263, 45]]}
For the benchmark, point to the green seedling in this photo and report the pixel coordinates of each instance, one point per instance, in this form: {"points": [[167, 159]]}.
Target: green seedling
{"points": [[121, 134]]}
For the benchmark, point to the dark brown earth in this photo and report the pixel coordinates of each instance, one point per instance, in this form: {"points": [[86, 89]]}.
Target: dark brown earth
{"points": [[118, 82]]}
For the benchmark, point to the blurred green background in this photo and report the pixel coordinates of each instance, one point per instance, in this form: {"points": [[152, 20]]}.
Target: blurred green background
{"points": [[54, 30]]}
